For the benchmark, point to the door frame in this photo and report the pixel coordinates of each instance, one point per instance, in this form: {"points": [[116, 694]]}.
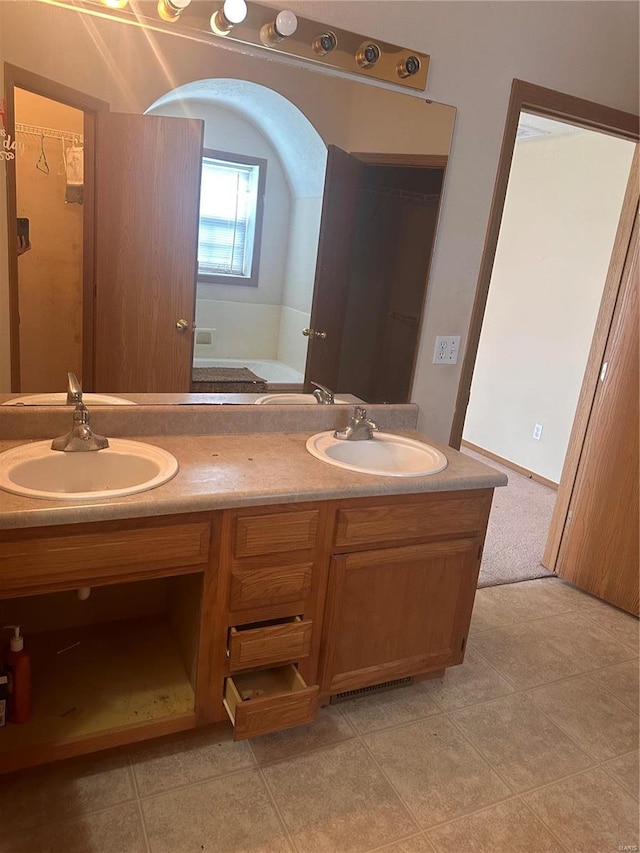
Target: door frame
{"points": [[90, 106], [587, 114]]}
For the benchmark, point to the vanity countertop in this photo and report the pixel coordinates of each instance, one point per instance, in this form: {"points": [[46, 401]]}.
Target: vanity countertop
{"points": [[223, 471]]}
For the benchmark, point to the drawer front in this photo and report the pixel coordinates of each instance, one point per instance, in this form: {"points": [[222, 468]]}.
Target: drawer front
{"points": [[268, 586], [269, 645], [272, 707], [438, 515], [101, 552], [275, 532]]}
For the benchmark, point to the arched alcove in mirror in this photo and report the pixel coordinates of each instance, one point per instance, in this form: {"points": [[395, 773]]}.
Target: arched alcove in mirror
{"points": [[250, 316]]}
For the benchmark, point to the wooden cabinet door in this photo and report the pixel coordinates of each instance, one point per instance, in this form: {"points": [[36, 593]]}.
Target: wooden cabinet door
{"points": [[397, 612]]}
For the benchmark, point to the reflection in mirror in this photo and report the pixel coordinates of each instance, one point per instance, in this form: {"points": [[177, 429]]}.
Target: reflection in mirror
{"points": [[344, 253]]}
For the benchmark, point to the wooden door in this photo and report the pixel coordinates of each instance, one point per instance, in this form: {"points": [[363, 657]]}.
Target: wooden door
{"points": [[342, 180], [147, 209], [396, 612], [599, 547]]}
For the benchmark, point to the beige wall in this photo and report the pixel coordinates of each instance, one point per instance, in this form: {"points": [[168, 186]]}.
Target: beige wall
{"points": [[558, 227], [588, 49], [50, 274]]}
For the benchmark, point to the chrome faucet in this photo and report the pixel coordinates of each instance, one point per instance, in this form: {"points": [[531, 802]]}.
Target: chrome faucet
{"points": [[323, 395], [81, 437], [360, 427]]}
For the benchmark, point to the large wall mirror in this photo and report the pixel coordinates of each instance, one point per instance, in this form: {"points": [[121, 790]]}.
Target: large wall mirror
{"points": [[336, 186]]}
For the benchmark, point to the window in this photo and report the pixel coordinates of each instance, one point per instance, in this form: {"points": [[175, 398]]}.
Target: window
{"points": [[231, 203]]}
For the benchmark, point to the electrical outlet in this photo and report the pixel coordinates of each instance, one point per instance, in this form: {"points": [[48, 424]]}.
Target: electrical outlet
{"points": [[537, 432], [447, 348]]}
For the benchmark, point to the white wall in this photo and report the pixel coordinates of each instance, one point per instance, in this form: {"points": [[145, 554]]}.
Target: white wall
{"points": [[561, 213], [588, 49]]}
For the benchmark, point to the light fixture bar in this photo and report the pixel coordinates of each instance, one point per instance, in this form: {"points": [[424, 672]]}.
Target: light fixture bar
{"points": [[309, 40]]}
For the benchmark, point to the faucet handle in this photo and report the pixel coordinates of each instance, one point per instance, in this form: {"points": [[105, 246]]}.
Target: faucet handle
{"points": [[74, 392], [323, 394]]}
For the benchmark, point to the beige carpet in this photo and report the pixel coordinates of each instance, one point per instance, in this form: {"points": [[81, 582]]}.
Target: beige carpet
{"points": [[518, 528]]}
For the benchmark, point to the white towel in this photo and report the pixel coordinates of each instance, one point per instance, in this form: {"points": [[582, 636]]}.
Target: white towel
{"points": [[75, 175]]}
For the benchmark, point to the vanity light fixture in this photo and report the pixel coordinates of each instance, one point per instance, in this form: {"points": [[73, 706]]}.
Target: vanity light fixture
{"points": [[368, 55], [170, 10], [324, 43], [283, 26], [223, 20], [249, 23]]}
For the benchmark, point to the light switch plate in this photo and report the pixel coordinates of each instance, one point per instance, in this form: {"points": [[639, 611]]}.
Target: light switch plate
{"points": [[447, 348]]}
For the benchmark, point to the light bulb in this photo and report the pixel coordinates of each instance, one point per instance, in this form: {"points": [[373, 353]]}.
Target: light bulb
{"points": [[231, 13], [284, 25], [170, 10]]}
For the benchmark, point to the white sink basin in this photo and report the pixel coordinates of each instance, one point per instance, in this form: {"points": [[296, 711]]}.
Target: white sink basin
{"points": [[88, 399], [123, 468], [290, 400], [385, 454]]}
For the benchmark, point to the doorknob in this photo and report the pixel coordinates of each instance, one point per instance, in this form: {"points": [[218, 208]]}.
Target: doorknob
{"points": [[311, 333], [182, 325]]}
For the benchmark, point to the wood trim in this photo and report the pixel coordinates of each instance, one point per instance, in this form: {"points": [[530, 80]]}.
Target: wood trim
{"points": [[24, 79], [589, 387], [543, 102], [422, 161], [531, 475]]}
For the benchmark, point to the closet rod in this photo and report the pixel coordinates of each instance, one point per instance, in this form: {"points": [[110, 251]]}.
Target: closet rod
{"points": [[49, 132]]}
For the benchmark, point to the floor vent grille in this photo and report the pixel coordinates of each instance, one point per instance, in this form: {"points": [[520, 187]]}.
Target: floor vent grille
{"points": [[375, 688]]}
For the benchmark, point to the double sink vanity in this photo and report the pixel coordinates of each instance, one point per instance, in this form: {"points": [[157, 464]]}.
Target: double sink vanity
{"points": [[277, 567]]}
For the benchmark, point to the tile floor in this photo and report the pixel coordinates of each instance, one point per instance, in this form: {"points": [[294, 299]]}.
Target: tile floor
{"points": [[530, 745]]}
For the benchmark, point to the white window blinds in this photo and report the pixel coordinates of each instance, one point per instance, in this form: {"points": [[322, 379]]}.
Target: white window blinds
{"points": [[228, 205]]}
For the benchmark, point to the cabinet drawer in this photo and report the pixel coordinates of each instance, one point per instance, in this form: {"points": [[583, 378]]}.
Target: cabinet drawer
{"points": [[269, 644], [49, 557], [275, 532], [268, 701], [265, 586], [438, 515]]}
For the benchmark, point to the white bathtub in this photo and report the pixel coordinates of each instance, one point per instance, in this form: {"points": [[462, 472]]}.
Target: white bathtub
{"points": [[272, 371]]}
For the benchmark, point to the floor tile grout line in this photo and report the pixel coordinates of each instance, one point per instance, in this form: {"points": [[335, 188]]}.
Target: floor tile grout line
{"points": [[568, 734], [385, 776], [544, 823], [619, 782], [594, 761], [541, 712], [593, 618], [183, 787], [136, 788], [283, 824], [515, 798], [594, 674], [392, 844], [500, 776]]}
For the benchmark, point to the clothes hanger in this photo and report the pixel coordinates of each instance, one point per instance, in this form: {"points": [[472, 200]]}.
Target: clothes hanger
{"points": [[42, 165]]}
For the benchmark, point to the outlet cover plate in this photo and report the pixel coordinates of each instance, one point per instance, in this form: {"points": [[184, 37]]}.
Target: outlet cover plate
{"points": [[447, 349]]}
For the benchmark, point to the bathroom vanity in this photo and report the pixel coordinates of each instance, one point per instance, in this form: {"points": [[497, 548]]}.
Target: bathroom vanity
{"points": [[254, 586]]}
